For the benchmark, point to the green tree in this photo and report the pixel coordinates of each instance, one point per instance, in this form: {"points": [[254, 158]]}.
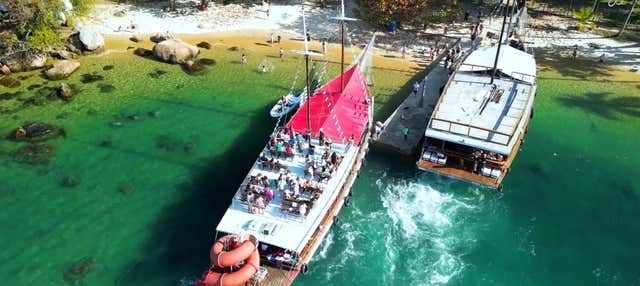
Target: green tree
{"points": [[381, 12], [82, 7], [584, 17]]}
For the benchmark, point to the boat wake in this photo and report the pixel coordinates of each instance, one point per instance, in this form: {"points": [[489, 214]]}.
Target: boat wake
{"points": [[427, 229]]}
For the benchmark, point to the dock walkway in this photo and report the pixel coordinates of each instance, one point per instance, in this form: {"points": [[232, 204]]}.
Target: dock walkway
{"points": [[413, 113]]}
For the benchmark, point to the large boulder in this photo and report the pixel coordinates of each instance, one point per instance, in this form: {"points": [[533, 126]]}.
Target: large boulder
{"points": [[25, 60], [175, 51], [62, 69], [91, 38]]}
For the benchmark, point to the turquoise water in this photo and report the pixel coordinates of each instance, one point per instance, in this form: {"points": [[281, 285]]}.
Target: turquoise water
{"points": [[152, 190]]}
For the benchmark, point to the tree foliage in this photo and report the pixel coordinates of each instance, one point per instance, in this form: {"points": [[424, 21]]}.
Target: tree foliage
{"points": [[35, 21], [381, 12], [584, 17], [82, 7]]}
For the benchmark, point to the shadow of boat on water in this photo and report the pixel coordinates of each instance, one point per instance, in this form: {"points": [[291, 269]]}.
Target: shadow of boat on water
{"points": [[181, 236]]}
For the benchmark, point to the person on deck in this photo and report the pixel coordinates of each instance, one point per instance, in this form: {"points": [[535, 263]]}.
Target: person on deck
{"points": [[416, 87]]}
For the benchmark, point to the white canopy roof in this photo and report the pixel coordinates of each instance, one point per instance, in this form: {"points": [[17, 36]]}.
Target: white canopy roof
{"points": [[512, 62]]}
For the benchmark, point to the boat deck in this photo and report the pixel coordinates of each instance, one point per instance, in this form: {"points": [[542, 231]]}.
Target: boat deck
{"points": [[278, 277], [279, 223]]}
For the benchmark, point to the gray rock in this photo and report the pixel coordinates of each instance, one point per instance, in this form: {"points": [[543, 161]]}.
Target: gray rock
{"points": [[91, 38], [62, 69], [25, 60], [175, 51], [65, 92]]}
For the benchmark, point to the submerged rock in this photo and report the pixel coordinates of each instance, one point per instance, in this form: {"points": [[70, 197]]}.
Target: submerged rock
{"points": [[62, 69], [157, 73], [78, 270], [204, 45], [33, 154], [34, 86], [154, 113], [166, 142], [233, 49], [107, 67], [34, 132], [133, 117], [70, 182], [124, 188], [65, 92], [91, 77], [207, 62], [135, 39], [143, 52], [106, 142], [175, 51], [106, 88], [193, 68], [9, 82]]}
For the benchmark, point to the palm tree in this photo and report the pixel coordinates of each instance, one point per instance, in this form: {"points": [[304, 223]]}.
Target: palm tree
{"points": [[584, 16]]}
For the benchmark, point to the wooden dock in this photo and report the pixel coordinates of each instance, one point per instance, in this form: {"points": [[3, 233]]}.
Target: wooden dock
{"points": [[413, 113]]}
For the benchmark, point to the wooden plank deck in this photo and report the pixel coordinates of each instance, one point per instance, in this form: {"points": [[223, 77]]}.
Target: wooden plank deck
{"points": [[275, 277]]}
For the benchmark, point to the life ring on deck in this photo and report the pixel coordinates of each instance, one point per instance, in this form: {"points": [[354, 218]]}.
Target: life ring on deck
{"points": [[221, 260]]}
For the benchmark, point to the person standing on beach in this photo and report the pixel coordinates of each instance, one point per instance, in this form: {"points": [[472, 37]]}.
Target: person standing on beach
{"points": [[281, 53], [575, 52], [324, 47], [279, 39], [271, 40], [244, 58]]}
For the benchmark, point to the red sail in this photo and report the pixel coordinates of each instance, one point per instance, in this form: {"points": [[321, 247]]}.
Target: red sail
{"points": [[340, 115]]}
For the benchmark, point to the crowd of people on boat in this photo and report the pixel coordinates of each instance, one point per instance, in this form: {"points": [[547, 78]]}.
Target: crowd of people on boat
{"points": [[298, 193]]}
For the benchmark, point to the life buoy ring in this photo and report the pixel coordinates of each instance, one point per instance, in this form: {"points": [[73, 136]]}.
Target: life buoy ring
{"points": [[221, 258], [246, 252]]}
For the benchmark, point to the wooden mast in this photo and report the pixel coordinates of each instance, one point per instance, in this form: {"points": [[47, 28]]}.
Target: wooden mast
{"points": [[308, 84], [343, 29], [495, 62]]}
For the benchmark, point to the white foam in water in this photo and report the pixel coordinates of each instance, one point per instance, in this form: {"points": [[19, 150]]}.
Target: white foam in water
{"points": [[328, 240], [428, 224]]}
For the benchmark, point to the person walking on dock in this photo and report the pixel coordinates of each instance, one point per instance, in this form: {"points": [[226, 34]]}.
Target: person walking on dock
{"points": [[406, 133], [416, 87]]}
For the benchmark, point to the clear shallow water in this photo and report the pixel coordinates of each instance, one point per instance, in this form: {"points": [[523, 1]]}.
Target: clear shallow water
{"points": [[148, 202]]}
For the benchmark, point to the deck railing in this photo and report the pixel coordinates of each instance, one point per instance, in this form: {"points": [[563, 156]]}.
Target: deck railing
{"points": [[470, 127]]}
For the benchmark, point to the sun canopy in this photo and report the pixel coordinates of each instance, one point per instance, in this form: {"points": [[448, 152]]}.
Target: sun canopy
{"points": [[338, 114], [512, 62]]}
